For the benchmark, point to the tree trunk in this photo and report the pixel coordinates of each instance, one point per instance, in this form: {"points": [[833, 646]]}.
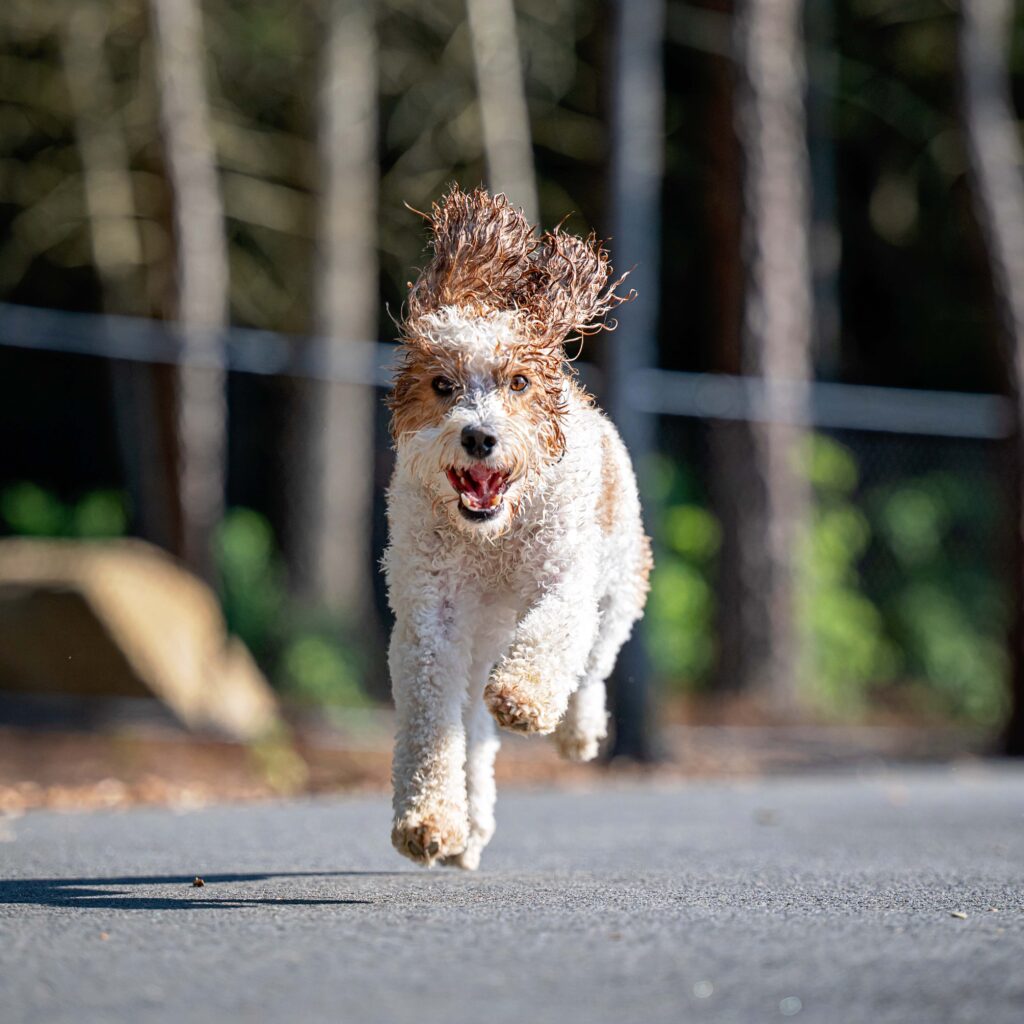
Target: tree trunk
{"points": [[118, 258], [503, 109], [776, 334], [333, 438], [106, 165], [637, 159], [201, 299], [995, 168]]}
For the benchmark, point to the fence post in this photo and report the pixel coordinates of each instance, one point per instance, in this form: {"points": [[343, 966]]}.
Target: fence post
{"points": [[637, 132], [994, 167]]}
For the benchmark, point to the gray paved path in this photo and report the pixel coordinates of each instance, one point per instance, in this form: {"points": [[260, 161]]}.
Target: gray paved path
{"points": [[821, 899]]}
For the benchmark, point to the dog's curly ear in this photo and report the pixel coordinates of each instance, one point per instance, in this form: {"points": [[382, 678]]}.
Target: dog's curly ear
{"points": [[566, 289], [481, 247]]}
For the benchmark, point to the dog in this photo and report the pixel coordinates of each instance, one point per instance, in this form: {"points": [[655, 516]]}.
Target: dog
{"points": [[517, 561]]}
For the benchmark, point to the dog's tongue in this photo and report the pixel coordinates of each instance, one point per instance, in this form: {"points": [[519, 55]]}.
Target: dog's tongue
{"points": [[483, 477], [481, 485]]}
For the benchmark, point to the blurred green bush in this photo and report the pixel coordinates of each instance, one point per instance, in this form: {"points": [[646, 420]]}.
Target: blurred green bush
{"points": [[304, 651], [924, 630], [29, 510], [848, 652], [946, 614], [681, 608]]}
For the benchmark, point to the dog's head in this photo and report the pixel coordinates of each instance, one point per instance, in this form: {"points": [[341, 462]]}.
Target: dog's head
{"points": [[483, 384]]}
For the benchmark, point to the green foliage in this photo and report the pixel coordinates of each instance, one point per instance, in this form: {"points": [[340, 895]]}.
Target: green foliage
{"points": [[100, 514], [848, 652], [252, 579], [830, 467], [693, 533], [949, 618], [679, 622], [305, 654], [929, 635], [29, 510], [317, 668]]}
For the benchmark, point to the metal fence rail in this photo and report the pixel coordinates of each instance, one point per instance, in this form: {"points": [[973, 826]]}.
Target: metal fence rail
{"points": [[831, 405], [652, 391], [244, 349]]}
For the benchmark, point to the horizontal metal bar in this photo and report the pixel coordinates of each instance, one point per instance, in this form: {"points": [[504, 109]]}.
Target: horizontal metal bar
{"points": [[821, 404], [656, 392], [244, 349]]}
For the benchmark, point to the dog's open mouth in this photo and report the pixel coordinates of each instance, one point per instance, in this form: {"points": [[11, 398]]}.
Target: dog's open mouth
{"points": [[480, 490]]}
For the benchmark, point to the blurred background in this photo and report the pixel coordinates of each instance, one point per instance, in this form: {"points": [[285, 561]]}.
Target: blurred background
{"points": [[205, 243]]}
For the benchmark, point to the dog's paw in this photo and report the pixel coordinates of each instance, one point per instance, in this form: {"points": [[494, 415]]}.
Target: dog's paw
{"points": [[468, 860], [574, 745], [514, 703], [428, 839], [480, 834]]}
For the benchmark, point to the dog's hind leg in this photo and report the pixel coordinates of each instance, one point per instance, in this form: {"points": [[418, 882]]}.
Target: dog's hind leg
{"points": [[585, 722]]}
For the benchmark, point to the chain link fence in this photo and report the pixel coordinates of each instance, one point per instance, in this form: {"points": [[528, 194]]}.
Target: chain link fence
{"points": [[902, 582], [901, 586]]}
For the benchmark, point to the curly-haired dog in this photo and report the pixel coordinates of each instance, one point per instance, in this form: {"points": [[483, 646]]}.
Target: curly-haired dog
{"points": [[517, 561]]}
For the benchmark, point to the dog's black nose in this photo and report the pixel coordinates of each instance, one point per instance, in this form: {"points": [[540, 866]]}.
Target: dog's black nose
{"points": [[478, 441]]}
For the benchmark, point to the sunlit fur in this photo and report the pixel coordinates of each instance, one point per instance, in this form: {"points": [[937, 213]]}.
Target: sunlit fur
{"points": [[515, 617]]}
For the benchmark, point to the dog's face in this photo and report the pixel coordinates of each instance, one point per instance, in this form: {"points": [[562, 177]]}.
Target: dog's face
{"points": [[478, 409], [482, 390]]}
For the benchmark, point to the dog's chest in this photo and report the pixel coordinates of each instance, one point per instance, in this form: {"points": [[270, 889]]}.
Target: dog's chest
{"points": [[486, 568]]}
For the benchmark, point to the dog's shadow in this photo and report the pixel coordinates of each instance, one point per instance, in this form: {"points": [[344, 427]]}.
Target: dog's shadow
{"points": [[85, 892]]}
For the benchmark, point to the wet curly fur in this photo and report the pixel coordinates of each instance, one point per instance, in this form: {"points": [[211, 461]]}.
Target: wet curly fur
{"points": [[517, 562]]}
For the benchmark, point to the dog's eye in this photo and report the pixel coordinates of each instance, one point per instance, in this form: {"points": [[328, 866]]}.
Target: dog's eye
{"points": [[442, 385], [518, 383]]}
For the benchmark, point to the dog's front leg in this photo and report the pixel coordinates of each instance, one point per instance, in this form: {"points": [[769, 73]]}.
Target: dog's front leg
{"points": [[429, 663], [530, 686]]}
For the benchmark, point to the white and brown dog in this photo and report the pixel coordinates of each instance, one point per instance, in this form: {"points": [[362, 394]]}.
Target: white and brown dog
{"points": [[517, 561]]}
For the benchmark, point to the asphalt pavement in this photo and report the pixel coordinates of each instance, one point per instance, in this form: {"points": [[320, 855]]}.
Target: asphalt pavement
{"points": [[894, 896]]}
